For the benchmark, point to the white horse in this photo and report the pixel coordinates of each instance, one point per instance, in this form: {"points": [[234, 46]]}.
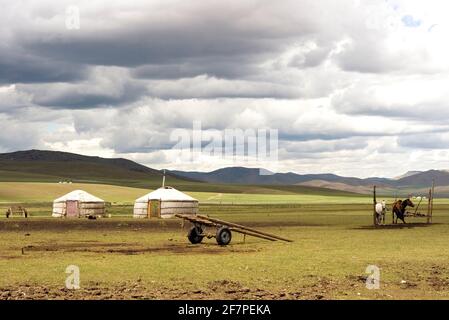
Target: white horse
{"points": [[381, 210]]}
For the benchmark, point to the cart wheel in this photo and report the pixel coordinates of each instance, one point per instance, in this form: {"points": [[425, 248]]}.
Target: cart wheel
{"points": [[195, 236], [224, 236]]}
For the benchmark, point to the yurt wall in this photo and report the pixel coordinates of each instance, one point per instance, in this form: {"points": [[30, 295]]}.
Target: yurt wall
{"points": [[92, 208], [140, 209], [170, 208], [58, 209]]}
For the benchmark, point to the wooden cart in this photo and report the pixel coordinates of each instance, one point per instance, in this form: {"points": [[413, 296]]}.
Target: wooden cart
{"points": [[223, 230]]}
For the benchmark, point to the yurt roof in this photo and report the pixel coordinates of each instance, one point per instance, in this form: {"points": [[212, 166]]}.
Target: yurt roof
{"points": [[79, 195], [166, 194]]}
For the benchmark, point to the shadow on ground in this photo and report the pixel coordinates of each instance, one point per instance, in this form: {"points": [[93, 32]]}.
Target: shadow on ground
{"points": [[398, 226]]}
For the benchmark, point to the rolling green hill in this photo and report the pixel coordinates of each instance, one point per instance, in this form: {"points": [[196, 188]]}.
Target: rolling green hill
{"points": [[37, 192], [52, 167]]}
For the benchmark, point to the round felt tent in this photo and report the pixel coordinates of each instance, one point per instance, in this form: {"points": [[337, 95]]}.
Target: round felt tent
{"points": [[78, 203], [164, 202]]}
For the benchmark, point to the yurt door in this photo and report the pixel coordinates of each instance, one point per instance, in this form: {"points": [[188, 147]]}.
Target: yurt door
{"points": [[154, 208], [72, 209]]}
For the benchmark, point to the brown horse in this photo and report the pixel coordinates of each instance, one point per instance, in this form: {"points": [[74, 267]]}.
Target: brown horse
{"points": [[399, 209]]}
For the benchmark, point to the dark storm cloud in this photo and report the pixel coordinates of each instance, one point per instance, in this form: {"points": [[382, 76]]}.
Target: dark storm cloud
{"points": [[77, 98], [195, 46], [168, 71], [190, 68], [201, 51], [88, 100], [138, 47], [16, 67], [203, 38], [209, 36]]}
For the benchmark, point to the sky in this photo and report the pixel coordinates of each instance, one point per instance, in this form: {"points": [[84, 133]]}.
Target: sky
{"points": [[356, 88]]}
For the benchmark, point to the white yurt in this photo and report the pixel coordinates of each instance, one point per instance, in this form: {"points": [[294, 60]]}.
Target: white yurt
{"points": [[78, 203], [164, 202]]}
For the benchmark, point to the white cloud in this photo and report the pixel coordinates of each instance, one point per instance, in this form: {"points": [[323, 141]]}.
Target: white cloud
{"points": [[351, 88]]}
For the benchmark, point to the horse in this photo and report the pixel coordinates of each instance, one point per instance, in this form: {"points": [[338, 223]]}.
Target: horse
{"points": [[399, 209], [381, 209]]}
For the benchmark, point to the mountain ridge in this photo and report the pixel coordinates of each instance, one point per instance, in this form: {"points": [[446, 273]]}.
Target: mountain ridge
{"points": [[251, 175], [52, 165], [242, 175], [47, 155], [55, 166]]}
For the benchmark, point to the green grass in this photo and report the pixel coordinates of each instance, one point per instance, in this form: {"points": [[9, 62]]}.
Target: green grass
{"points": [[333, 244], [38, 198], [47, 192]]}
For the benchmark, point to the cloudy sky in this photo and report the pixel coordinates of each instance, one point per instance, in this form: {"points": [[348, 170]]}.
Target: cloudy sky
{"points": [[355, 88]]}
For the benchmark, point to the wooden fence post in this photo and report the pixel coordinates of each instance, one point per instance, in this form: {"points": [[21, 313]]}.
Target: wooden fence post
{"points": [[428, 205], [392, 208], [374, 207], [429, 219]]}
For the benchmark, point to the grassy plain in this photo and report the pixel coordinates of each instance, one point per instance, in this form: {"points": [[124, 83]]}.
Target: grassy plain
{"points": [[126, 258]]}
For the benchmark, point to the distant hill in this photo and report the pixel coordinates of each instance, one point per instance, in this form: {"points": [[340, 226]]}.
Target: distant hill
{"points": [[340, 186], [413, 181], [37, 165], [425, 179], [55, 166], [66, 157], [407, 174], [241, 175]]}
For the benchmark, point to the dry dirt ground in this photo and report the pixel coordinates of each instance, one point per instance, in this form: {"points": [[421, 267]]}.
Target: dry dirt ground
{"points": [[224, 289], [431, 282], [117, 224], [131, 248], [321, 289]]}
